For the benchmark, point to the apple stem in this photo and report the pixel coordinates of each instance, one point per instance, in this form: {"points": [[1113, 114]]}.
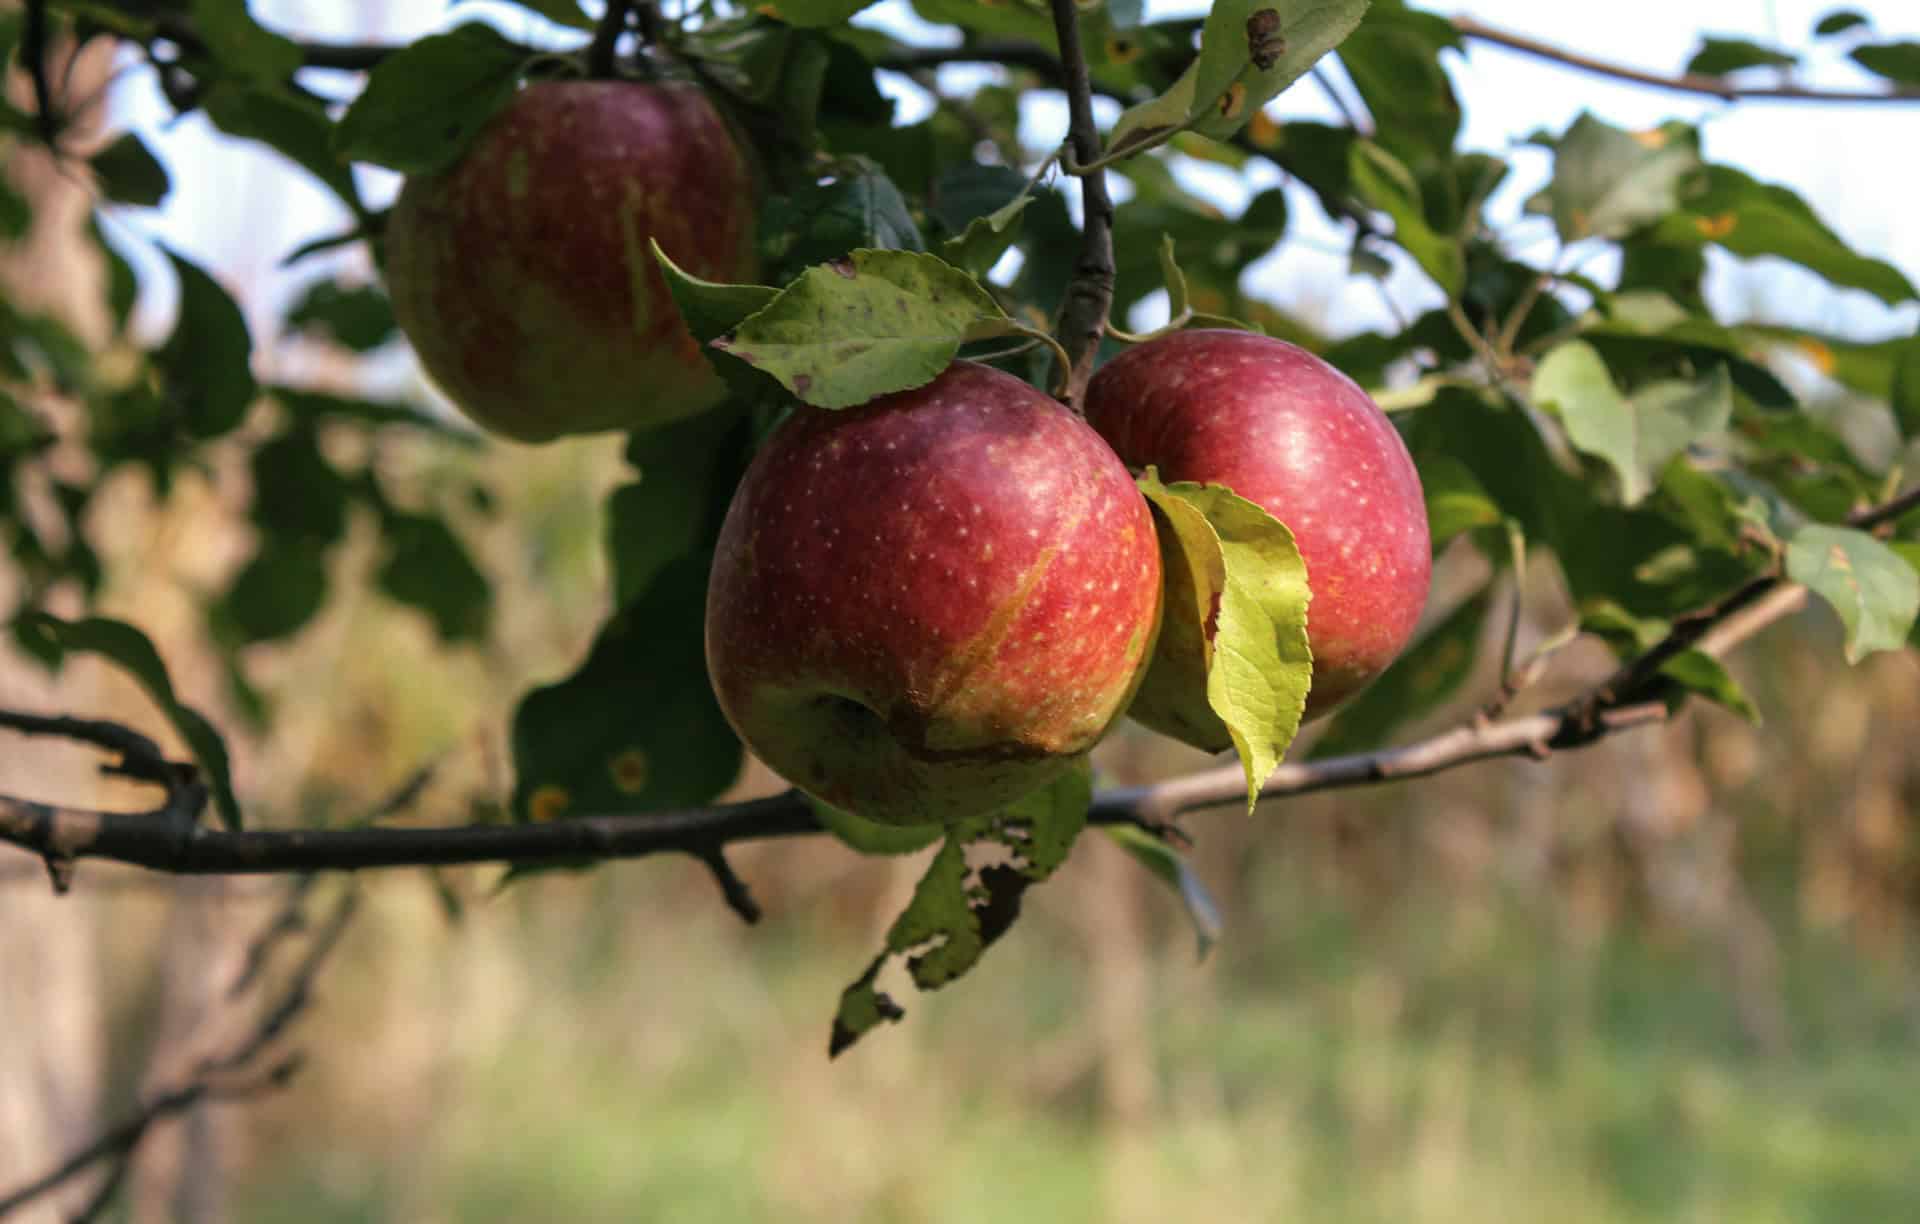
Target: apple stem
{"points": [[1089, 300], [601, 62]]}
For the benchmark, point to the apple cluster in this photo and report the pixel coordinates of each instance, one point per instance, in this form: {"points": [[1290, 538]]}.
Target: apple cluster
{"points": [[925, 606]]}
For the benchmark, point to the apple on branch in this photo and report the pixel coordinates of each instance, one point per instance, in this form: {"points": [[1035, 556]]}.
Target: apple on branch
{"points": [[522, 275], [1285, 430], [926, 606]]}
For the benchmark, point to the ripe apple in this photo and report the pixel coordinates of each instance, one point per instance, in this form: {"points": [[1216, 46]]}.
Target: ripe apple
{"points": [[1287, 431], [522, 275], [926, 606]]}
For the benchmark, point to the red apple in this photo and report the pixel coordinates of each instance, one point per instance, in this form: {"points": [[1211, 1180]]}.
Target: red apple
{"points": [[1284, 429], [522, 276], [926, 606]]}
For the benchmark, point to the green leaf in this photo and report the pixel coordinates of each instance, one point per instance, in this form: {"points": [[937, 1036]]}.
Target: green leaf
{"points": [[1897, 61], [1639, 435], [297, 494], [1250, 50], [635, 727], [1456, 501], [357, 317], [318, 405], [688, 470], [1176, 871], [128, 648], [710, 309], [560, 12], [1430, 672], [1608, 181], [1381, 180], [1839, 22], [1904, 394], [208, 358], [277, 592], [860, 209], [426, 567], [971, 190], [130, 173], [1699, 672], [295, 127], [240, 45], [956, 912], [813, 14], [16, 214], [1237, 613], [870, 838], [875, 322], [1751, 218], [1875, 591], [1719, 56], [123, 288], [978, 247], [423, 106], [1909, 551], [1393, 59]]}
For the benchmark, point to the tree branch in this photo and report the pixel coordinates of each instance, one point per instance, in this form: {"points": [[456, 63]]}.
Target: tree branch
{"points": [[1686, 82], [601, 64], [242, 1070], [1083, 316]]}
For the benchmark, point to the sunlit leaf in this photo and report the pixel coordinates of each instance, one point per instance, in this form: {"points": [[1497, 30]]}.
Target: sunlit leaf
{"points": [[1874, 589]]}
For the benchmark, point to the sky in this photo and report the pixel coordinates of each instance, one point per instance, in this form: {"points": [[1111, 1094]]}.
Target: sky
{"points": [[240, 209]]}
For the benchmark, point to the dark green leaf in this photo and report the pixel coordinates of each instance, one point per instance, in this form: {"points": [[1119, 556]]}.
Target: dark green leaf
{"points": [[427, 567], [636, 725], [423, 106], [277, 592], [560, 12], [297, 494], [123, 289], [358, 317], [1839, 22], [1719, 56], [1383, 182], [858, 210], [809, 14], [240, 45], [687, 473], [1455, 500], [972, 190], [128, 648], [1176, 871], [1394, 60], [1699, 672], [16, 215], [1904, 394], [1897, 61], [208, 358], [1875, 591], [130, 173], [1430, 672], [318, 405]]}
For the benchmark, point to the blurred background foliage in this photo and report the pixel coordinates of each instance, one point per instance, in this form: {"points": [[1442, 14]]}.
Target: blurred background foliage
{"points": [[1673, 976]]}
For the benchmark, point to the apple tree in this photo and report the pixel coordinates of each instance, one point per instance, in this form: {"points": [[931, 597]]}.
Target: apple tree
{"points": [[913, 516]]}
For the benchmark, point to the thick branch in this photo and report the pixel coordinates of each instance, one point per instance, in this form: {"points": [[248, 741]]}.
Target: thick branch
{"points": [[1083, 316]]}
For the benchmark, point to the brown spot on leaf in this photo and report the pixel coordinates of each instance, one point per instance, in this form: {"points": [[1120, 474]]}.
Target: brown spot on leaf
{"points": [[843, 267], [1265, 43], [1233, 101], [801, 382]]}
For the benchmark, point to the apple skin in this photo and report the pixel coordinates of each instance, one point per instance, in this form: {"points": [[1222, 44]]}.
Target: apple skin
{"points": [[1287, 431], [924, 607], [522, 276]]}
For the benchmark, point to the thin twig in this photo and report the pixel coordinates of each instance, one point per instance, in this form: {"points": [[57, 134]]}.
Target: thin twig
{"points": [[601, 62], [1686, 82]]}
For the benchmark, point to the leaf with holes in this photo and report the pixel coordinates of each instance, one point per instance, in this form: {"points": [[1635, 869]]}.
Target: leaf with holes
{"points": [[957, 913], [866, 325], [1872, 587], [128, 648]]}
